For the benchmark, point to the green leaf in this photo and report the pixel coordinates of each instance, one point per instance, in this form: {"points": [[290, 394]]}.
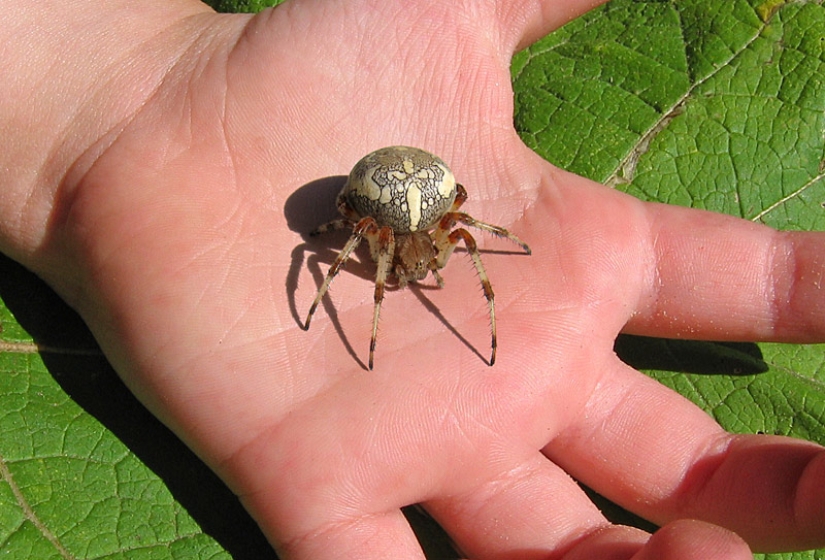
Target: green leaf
{"points": [[694, 103], [715, 105]]}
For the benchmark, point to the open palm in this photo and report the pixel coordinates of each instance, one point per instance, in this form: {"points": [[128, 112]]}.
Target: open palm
{"points": [[185, 253]]}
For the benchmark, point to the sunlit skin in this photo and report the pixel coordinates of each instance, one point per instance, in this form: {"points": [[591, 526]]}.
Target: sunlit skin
{"points": [[148, 158]]}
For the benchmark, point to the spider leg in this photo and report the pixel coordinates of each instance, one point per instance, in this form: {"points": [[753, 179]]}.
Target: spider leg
{"points": [[349, 220], [434, 269], [460, 197], [445, 246], [453, 216], [358, 233], [466, 219], [382, 247], [340, 223]]}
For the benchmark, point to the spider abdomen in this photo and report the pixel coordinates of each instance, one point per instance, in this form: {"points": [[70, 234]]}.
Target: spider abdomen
{"points": [[404, 188]]}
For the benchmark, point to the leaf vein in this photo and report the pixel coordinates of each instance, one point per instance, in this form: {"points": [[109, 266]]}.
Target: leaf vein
{"points": [[28, 347], [625, 169], [28, 512], [789, 196]]}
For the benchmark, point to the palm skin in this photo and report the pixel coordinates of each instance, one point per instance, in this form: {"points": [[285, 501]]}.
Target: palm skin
{"points": [[175, 246]]}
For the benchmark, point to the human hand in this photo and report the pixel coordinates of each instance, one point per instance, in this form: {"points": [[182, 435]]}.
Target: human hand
{"points": [[176, 247]]}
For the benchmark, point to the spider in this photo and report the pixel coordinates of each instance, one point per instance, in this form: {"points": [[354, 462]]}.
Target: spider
{"points": [[405, 202]]}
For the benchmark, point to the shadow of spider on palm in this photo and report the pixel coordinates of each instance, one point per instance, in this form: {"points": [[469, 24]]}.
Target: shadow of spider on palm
{"points": [[406, 203]]}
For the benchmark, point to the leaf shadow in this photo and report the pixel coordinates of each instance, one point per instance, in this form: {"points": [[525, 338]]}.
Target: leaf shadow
{"points": [[690, 356], [76, 363]]}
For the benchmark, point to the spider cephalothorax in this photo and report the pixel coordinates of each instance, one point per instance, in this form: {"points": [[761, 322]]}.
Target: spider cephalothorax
{"points": [[405, 202]]}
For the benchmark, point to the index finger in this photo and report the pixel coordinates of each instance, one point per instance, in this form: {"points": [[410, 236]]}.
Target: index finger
{"points": [[724, 278]]}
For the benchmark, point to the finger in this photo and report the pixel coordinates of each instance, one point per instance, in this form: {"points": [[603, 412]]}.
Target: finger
{"points": [[683, 540], [729, 279], [689, 539], [311, 503], [537, 510], [530, 510], [687, 273], [769, 489], [307, 514], [655, 453], [372, 537], [537, 18]]}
